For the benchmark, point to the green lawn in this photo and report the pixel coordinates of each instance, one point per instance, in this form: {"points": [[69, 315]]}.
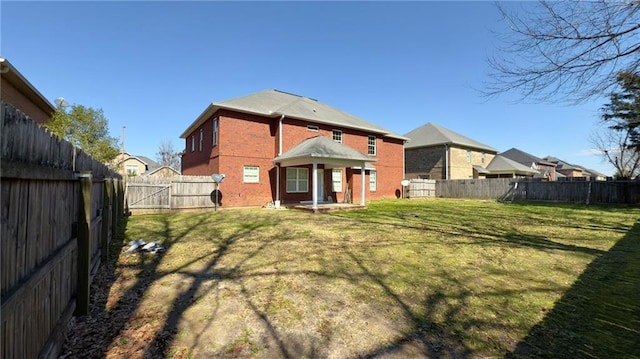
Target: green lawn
{"points": [[405, 278]]}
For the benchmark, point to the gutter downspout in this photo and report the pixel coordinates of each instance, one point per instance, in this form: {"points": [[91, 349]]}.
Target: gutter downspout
{"points": [[446, 159], [278, 164]]}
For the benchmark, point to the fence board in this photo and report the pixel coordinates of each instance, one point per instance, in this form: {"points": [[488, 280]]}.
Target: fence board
{"points": [[177, 192], [39, 205]]}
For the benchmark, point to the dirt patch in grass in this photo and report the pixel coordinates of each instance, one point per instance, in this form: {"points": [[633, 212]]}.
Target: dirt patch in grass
{"points": [[401, 279]]}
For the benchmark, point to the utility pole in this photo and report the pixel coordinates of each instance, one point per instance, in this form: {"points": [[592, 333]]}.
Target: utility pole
{"points": [[122, 138]]}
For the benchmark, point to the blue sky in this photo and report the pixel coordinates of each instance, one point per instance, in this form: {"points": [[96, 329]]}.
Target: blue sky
{"points": [[155, 66]]}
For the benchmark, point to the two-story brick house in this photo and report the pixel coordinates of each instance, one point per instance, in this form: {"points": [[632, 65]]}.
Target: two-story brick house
{"points": [[434, 152], [280, 147]]}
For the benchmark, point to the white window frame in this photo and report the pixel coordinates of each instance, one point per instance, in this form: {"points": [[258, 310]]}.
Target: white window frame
{"points": [[193, 143], [484, 157], [337, 136], [373, 181], [297, 180], [215, 131], [251, 174], [371, 145], [336, 180], [468, 156], [131, 170]]}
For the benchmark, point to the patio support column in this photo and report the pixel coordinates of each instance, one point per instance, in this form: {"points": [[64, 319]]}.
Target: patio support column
{"points": [[362, 202], [277, 182], [314, 186]]}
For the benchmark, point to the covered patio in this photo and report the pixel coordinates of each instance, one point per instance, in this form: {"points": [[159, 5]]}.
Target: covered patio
{"points": [[323, 151]]}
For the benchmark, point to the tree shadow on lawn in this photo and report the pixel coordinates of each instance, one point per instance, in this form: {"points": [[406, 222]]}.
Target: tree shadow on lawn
{"points": [[95, 333], [599, 317]]}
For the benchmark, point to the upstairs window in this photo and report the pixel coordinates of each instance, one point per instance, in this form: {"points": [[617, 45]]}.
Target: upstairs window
{"points": [[337, 136], [371, 145], [215, 131], [193, 143], [201, 139], [484, 157], [469, 156]]}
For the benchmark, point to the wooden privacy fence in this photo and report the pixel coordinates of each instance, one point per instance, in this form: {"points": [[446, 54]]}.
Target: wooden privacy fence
{"points": [[491, 188], [56, 227], [178, 192], [609, 192]]}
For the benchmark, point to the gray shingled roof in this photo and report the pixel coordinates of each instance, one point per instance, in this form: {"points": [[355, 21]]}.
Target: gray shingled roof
{"points": [[322, 149], [433, 135], [523, 157], [562, 165], [502, 164], [274, 103], [151, 164]]}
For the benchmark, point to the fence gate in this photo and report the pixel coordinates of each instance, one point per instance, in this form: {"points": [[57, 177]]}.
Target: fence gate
{"points": [[148, 195]]}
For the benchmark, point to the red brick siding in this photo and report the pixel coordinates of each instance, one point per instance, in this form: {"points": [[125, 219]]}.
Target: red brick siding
{"points": [[20, 101], [250, 140]]}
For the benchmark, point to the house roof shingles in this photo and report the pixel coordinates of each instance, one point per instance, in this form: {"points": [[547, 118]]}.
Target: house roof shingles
{"points": [[275, 103], [523, 157], [433, 135], [501, 164], [321, 147]]}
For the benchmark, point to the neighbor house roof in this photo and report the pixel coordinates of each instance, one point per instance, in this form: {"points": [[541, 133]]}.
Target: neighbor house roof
{"points": [[562, 165], [151, 164], [524, 158], [500, 164], [433, 135], [275, 103], [323, 150]]}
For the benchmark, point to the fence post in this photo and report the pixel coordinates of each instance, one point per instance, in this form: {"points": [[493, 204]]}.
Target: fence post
{"points": [[84, 243], [106, 218], [115, 207]]}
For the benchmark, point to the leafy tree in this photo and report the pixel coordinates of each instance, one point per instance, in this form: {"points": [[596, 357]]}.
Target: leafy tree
{"points": [[621, 144], [569, 50], [166, 155], [85, 128]]}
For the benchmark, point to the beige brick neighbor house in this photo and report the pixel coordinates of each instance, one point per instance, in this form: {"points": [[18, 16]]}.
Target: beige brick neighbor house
{"points": [[434, 152]]}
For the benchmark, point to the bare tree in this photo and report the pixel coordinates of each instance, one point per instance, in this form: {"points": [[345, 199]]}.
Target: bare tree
{"points": [[166, 155], [614, 146], [565, 50]]}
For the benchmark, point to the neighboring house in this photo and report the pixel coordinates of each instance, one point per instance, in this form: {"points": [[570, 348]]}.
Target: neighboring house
{"points": [[566, 169], [162, 171], [595, 175], [434, 152], [503, 167], [572, 171], [276, 146], [132, 166], [547, 169], [21, 94]]}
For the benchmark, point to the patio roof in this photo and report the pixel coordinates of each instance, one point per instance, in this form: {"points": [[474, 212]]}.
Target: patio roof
{"points": [[323, 150], [502, 165]]}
